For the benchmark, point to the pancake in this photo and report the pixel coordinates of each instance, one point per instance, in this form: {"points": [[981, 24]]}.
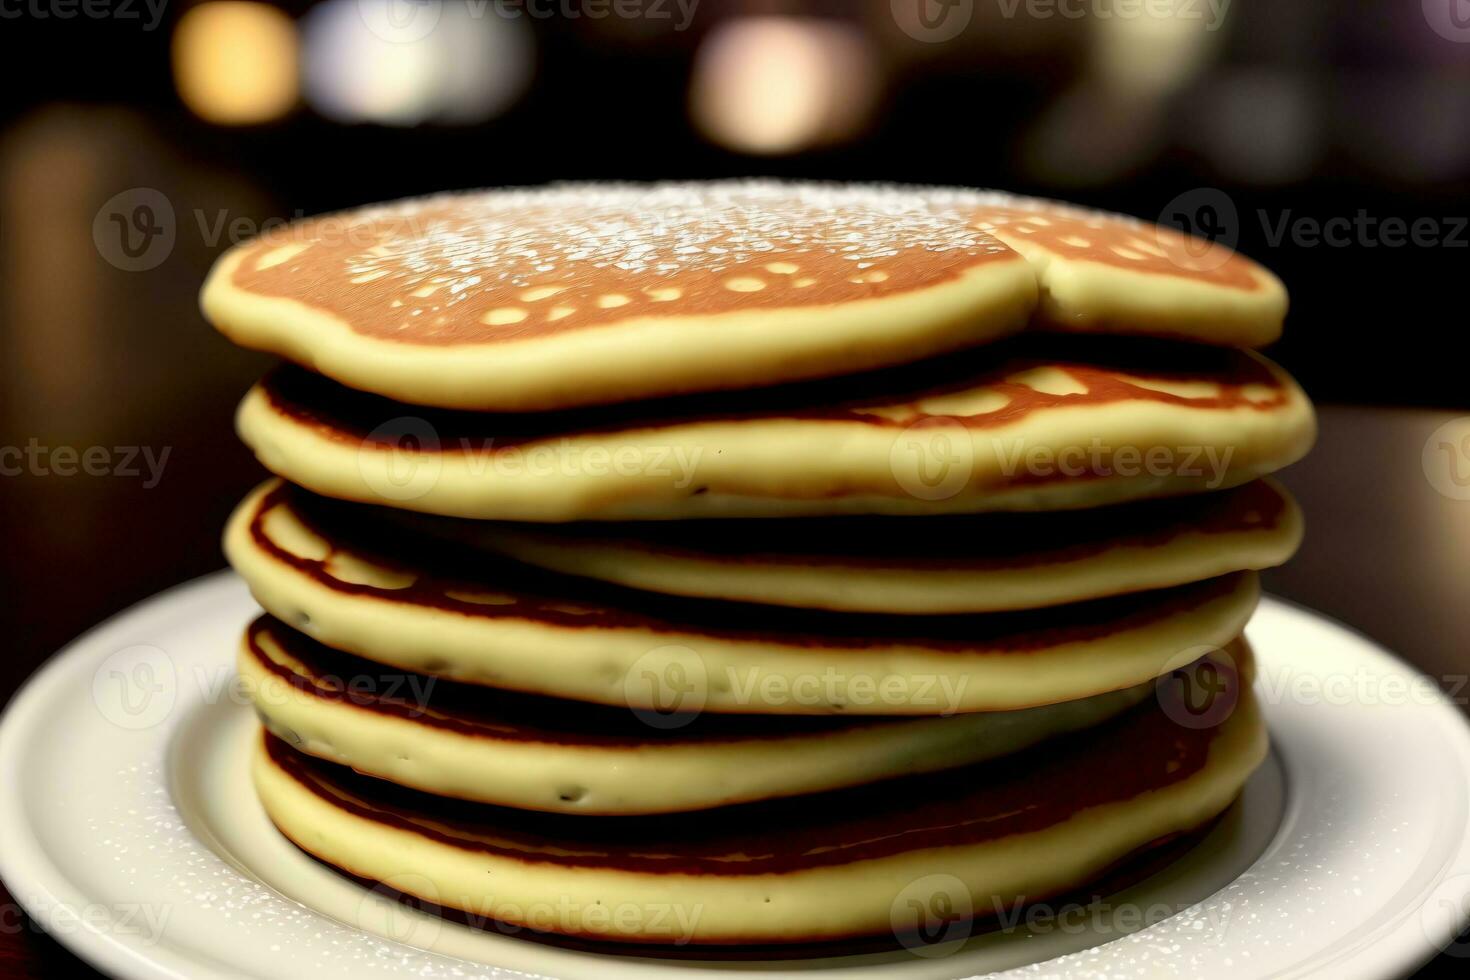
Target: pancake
{"points": [[919, 565], [1109, 273], [1036, 423], [364, 586], [571, 295], [555, 297], [538, 753], [852, 863]]}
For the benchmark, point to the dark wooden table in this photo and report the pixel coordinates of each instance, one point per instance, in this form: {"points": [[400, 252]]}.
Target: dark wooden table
{"points": [[1385, 551]]}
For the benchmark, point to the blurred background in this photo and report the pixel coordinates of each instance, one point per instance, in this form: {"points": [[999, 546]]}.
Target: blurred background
{"points": [[139, 138], [1317, 135]]}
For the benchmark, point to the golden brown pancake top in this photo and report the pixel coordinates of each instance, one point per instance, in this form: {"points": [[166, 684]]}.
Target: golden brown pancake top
{"points": [[505, 265], [1116, 240]]}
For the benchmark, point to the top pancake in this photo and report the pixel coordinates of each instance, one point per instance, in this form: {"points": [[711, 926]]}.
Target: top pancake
{"points": [[592, 294]]}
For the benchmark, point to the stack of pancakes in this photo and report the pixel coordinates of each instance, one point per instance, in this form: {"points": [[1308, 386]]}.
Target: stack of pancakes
{"points": [[753, 563]]}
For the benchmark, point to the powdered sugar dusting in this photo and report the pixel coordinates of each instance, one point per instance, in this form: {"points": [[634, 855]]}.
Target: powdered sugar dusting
{"points": [[665, 228], [1110, 239], [503, 264]]}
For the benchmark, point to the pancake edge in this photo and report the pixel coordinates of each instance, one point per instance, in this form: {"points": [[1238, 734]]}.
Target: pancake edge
{"points": [[594, 664], [666, 776], [812, 905], [782, 467], [810, 581], [634, 359]]}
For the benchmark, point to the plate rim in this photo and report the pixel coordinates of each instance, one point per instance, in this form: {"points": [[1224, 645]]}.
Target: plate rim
{"points": [[32, 878], [48, 894]]}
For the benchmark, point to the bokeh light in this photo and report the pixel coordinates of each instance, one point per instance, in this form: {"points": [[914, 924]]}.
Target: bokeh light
{"points": [[400, 64], [771, 85], [1157, 49], [1260, 125], [235, 63]]}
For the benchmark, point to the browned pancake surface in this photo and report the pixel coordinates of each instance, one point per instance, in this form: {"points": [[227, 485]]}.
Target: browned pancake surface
{"points": [[1106, 369], [489, 713], [441, 572], [498, 266], [1119, 241], [1141, 751], [967, 541]]}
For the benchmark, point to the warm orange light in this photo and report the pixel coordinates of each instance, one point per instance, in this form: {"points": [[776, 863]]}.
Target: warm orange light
{"points": [[778, 84], [235, 62]]}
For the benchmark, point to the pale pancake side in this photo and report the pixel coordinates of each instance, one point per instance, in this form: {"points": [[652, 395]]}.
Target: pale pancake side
{"points": [[793, 871], [915, 565], [1109, 273], [347, 580], [588, 294], [533, 753], [1034, 424]]}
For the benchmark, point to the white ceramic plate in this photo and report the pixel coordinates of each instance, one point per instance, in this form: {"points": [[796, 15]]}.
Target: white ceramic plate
{"points": [[128, 830]]}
